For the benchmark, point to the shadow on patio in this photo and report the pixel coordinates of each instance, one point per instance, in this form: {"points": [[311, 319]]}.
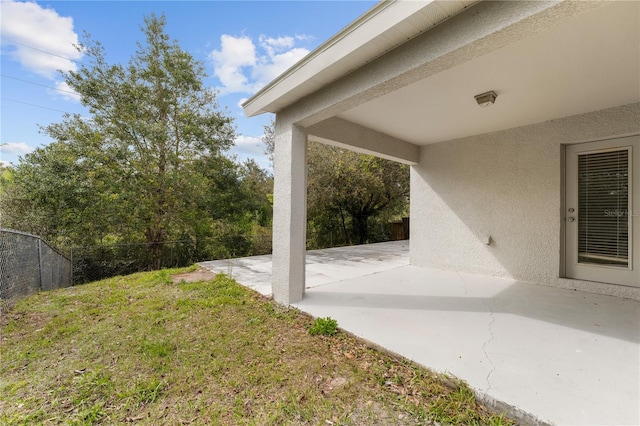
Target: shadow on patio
{"points": [[567, 357], [518, 299]]}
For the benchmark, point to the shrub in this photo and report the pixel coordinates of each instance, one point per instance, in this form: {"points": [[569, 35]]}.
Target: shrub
{"points": [[325, 326]]}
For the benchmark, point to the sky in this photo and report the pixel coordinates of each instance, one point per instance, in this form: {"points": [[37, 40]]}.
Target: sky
{"points": [[243, 44]]}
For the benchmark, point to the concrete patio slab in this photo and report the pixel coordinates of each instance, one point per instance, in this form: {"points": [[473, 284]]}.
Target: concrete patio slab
{"points": [[566, 357], [323, 266]]}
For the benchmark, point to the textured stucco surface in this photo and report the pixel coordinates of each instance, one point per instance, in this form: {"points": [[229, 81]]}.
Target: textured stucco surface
{"points": [[507, 185], [289, 212], [483, 28], [342, 133]]}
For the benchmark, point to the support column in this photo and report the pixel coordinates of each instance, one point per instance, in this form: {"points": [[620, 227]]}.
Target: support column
{"points": [[289, 213]]}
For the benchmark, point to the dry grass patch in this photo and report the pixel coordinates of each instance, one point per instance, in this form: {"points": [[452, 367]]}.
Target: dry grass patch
{"points": [[142, 349]]}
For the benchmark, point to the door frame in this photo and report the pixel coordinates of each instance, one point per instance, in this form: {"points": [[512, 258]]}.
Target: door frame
{"points": [[565, 256]]}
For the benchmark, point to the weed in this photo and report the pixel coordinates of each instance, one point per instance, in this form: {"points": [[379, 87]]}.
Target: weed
{"points": [[89, 416], [324, 326], [143, 392], [155, 349]]}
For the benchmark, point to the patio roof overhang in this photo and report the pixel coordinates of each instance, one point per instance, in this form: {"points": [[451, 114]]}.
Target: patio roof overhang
{"points": [[416, 84], [382, 28]]}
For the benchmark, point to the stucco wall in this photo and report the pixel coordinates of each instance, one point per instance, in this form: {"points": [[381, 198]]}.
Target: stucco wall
{"points": [[506, 185]]}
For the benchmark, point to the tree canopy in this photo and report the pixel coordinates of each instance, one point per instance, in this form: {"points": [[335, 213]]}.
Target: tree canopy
{"points": [[347, 191], [149, 122], [147, 164]]}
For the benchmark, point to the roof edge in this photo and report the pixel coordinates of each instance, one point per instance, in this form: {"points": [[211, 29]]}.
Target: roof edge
{"points": [[357, 23]]}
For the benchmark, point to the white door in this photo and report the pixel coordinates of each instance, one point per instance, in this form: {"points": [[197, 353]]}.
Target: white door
{"points": [[603, 211]]}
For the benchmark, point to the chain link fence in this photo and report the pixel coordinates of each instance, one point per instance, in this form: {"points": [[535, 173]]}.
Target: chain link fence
{"points": [[99, 262], [28, 264]]}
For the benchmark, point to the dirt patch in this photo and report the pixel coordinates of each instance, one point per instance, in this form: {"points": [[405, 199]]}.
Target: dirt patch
{"points": [[191, 277]]}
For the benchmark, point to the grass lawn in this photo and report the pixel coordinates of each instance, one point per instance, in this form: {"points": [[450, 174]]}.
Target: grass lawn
{"points": [[142, 349]]}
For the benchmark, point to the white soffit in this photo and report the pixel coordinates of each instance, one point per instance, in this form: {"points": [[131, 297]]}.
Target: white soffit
{"points": [[382, 28], [587, 63]]}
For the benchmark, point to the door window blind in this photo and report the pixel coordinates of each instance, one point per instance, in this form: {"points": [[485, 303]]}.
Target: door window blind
{"points": [[603, 208]]}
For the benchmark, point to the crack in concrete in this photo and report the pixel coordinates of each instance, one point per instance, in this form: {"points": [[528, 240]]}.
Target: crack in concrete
{"points": [[489, 329], [484, 345], [464, 284]]}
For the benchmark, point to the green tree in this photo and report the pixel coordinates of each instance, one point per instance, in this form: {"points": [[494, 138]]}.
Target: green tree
{"points": [[269, 139], [147, 164], [149, 124], [257, 185], [53, 194], [347, 190]]}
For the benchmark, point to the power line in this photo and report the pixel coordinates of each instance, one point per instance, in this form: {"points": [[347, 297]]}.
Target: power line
{"points": [[43, 51], [38, 84], [33, 105]]}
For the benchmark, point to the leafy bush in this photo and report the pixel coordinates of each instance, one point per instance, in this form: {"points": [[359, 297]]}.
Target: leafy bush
{"points": [[325, 326]]}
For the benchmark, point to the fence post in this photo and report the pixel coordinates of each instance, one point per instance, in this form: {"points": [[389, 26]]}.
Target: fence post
{"points": [[71, 260], [40, 262]]}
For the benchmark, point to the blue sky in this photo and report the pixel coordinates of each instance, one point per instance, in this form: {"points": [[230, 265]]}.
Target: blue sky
{"points": [[244, 44]]}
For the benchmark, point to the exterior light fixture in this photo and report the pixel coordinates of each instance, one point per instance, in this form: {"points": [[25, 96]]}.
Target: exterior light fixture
{"points": [[486, 99]]}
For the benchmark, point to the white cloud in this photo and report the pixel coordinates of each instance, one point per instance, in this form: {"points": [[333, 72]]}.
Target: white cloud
{"points": [[65, 91], [276, 65], [41, 40], [17, 148], [305, 37], [235, 53], [272, 45], [243, 67], [250, 145]]}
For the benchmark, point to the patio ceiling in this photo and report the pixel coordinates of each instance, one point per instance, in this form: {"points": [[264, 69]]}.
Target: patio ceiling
{"points": [[587, 63]]}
